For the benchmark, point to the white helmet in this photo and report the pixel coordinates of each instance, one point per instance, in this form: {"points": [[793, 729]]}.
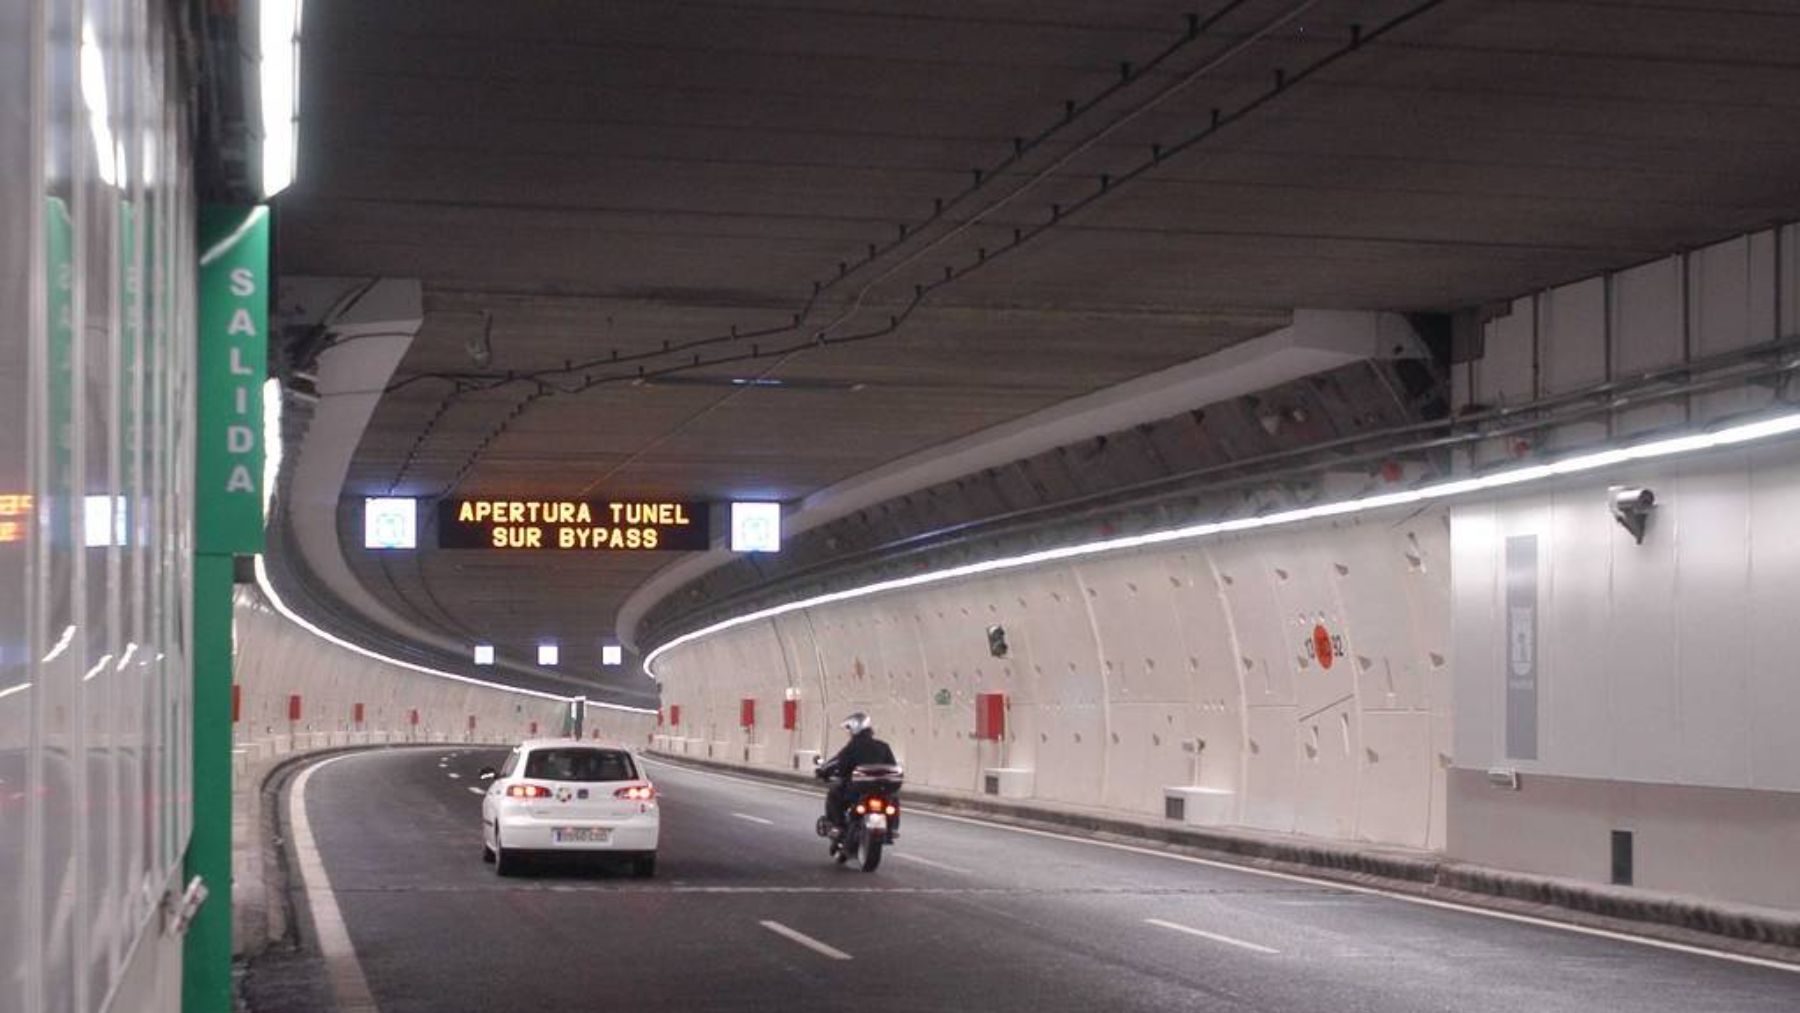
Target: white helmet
{"points": [[858, 723]]}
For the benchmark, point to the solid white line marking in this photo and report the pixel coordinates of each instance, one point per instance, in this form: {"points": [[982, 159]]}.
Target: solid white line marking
{"points": [[1214, 936], [341, 965], [909, 857], [476, 791], [754, 819], [805, 940], [1660, 944]]}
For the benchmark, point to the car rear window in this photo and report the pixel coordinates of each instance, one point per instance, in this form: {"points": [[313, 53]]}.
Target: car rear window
{"points": [[580, 765]]}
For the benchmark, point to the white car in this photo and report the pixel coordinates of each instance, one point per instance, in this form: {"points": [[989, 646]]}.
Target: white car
{"points": [[563, 795]]}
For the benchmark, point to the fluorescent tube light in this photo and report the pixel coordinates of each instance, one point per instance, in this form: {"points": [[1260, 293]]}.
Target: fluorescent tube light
{"points": [[1733, 435]]}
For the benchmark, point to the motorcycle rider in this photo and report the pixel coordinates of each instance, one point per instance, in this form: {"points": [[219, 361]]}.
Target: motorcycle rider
{"points": [[862, 749]]}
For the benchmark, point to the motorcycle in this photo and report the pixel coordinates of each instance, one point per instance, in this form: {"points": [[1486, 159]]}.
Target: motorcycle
{"points": [[871, 817]]}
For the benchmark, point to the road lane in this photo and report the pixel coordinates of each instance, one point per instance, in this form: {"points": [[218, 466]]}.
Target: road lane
{"points": [[973, 917]]}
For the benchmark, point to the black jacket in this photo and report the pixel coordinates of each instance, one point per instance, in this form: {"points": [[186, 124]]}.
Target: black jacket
{"points": [[862, 749]]}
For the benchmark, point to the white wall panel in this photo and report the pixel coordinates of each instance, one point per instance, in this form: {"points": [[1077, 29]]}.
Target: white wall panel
{"points": [[1507, 372], [1213, 725], [1661, 662], [1772, 610], [277, 659], [1576, 668], [1117, 665], [1712, 622], [1573, 319], [1648, 333], [1641, 641], [1572, 348], [1476, 640], [1727, 312]]}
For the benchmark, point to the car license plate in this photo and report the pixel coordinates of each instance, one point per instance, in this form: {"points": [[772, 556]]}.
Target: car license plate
{"points": [[580, 835]]}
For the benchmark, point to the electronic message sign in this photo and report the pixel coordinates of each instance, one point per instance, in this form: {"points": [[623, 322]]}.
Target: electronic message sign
{"points": [[573, 525]]}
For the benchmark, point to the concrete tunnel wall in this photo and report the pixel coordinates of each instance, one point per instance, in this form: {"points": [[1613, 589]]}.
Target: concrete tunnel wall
{"points": [[1184, 666], [1668, 700], [1666, 691], [277, 659]]}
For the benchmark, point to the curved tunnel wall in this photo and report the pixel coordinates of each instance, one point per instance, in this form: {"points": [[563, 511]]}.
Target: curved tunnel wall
{"points": [[1185, 666], [277, 660]]}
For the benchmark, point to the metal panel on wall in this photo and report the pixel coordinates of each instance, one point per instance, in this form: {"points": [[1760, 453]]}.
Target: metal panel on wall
{"points": [[96, 263]]}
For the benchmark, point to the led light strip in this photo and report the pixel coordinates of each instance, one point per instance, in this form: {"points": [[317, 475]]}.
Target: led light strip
{"points": [[1748, 432], [278, 22], [268, 590]]}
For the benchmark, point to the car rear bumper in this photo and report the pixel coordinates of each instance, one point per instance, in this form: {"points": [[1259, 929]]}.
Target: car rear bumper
{"points": [[524, 833]]}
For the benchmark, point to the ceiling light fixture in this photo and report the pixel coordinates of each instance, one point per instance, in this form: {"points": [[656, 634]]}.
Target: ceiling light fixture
{"points": [[1735, 435], [93, 95], [278, 23]]}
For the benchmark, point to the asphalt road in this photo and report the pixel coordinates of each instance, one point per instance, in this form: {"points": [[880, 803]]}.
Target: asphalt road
{"points": [[961, 916]]}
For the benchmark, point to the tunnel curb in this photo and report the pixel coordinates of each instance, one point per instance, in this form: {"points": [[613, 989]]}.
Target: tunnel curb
{"points": [[260, 911], [1691, 921]]}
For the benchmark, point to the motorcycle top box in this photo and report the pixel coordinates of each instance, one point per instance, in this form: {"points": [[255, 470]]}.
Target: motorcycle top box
{"points": [[871, 817]]}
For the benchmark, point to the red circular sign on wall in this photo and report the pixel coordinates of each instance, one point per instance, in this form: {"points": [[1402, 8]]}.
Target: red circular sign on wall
{"points": [[1322, 646]]}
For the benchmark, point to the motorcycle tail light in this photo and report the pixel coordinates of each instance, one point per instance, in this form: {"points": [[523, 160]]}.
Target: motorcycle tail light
{"points": [[860, 808], [892, 809]]}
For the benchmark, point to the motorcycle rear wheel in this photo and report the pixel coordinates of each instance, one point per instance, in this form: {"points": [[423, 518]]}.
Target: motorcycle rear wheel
{"points": [[868, 852]]}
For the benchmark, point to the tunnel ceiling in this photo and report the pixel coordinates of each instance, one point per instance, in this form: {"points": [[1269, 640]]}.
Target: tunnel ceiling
{"points": [[576, 180]]}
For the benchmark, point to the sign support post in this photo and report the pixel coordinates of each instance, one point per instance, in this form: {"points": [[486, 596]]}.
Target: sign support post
{"points": [[228, 522]]}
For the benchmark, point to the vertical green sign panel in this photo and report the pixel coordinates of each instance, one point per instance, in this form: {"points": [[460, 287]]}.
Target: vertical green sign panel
{"points": [[234, 355], [59, 239]]}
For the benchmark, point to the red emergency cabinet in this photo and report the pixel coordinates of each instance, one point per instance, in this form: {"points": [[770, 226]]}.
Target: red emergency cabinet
{"points": [[675, 714], [356, 713], [294, 707], [790, 714], [747, 712], [990, 716]]}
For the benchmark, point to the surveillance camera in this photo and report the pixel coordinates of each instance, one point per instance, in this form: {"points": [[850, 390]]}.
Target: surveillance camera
{"points": [[1631, 507]]}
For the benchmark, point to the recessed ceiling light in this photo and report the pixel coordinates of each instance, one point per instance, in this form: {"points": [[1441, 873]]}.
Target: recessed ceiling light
{"points": [[484, 654], [547, 654]]}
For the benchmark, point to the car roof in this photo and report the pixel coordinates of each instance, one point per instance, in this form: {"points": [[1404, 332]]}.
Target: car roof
{"points": [[564, 743]]}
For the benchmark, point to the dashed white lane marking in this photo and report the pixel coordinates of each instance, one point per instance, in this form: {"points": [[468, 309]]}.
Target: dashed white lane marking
{"points": [[1404, 898], [455, 775], [341, 965], [476, 791], [905, 856], [754, 819], [1214, 936], [805, 940]]}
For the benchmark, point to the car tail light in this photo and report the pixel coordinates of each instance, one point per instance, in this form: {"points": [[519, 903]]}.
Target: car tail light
{"points": [[527, 791], [636, 793]]}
